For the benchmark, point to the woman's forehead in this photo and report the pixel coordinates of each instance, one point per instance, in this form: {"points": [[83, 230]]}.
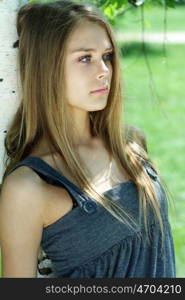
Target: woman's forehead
{"points": [[89, 36]]}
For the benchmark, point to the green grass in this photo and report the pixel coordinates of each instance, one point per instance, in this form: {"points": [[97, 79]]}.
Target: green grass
{"points": [[153, 19], [162, 119]]}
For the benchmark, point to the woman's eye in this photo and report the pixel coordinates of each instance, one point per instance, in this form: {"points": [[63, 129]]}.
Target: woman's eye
{"points": [[83, 59], [106, 56]]}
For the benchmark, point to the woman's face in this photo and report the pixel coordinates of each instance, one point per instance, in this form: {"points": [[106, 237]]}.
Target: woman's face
{"points": [[88, 67]]}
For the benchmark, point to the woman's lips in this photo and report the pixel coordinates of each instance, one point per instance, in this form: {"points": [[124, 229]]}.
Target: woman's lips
{"points": [[100, 91]]}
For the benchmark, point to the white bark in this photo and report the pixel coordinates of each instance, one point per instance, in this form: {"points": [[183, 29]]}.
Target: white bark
{"points": [[9, 85]]}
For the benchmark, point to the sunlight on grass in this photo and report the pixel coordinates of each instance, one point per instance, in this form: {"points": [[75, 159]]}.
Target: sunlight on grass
{"points": [[153, 19]]}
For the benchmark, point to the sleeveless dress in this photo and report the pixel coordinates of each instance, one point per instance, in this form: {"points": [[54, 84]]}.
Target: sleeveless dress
{"points": [[88, 242]]}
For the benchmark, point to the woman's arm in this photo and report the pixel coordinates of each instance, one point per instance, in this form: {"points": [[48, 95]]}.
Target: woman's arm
{"points": [[21, 225]]}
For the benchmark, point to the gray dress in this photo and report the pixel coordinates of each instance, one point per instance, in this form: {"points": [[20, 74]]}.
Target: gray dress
{"points": [[88, 242]]}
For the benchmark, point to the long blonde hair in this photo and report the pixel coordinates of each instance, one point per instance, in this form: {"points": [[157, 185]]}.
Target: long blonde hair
{"points": [[43, 30]]}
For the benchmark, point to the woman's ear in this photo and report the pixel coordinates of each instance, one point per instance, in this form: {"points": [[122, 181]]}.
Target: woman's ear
{"points": [[136, 135]]}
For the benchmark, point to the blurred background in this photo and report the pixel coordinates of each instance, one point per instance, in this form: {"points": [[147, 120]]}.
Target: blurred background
{"points": [[155, 98], [151, 38]]}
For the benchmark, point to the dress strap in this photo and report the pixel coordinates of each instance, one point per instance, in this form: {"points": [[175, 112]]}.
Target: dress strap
{"points": [[151, 172], [42, 168]]}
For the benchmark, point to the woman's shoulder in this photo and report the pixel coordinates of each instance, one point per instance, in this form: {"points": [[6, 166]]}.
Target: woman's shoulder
{"points": [[21, 176], [20, 185], [135, 134], [24, 188]]}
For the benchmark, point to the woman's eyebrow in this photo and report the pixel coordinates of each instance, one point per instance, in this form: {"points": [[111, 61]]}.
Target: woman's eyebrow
{"points": [[88, 49]]}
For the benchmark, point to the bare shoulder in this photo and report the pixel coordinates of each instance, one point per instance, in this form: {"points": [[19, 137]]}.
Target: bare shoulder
{"points": [[21, 179], [20, 185], [21, 222], [24, 188]]}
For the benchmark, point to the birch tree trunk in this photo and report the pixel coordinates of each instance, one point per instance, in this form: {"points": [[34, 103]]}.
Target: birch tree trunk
{"points": [[9, 86]]}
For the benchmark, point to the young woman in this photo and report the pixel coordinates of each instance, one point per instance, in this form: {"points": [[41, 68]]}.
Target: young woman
{"points": [[79, 184]]}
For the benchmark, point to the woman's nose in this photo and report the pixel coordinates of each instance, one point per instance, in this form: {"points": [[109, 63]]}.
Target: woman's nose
{"points": [[103, 70]]}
